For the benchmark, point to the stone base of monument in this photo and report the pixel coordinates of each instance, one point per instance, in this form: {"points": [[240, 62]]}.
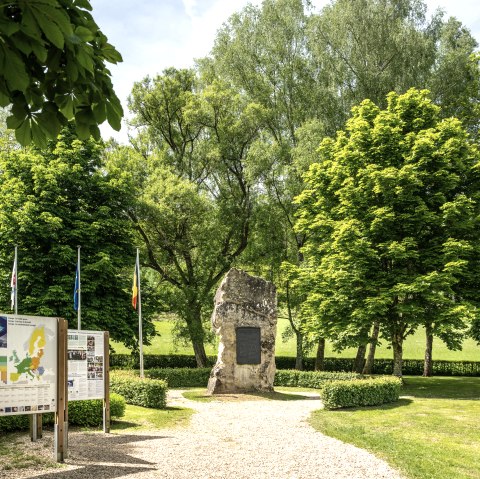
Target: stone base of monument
{"points": [[245, 319]]}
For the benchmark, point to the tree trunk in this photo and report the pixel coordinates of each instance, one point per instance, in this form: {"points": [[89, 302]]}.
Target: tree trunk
{"points": [[428, 363], [320, 358], [368, 368], [299, 357], [197, 335], [397, 344], [360, 358]]}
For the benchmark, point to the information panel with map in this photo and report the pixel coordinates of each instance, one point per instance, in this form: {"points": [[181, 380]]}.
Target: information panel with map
{"points": [[28, 364], [85, 365]]}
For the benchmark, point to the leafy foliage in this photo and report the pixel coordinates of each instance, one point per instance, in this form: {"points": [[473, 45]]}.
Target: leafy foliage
{"points": [[89, 413], [391, 211], [361, 393], [151, 393], [191, 199], [52, 70], [51, 201]]}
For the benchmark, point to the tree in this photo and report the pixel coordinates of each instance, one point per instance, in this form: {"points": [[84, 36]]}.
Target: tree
{"points": [[310, 69], [391, 210], [51, 201], [53, 69], [193, 199], [263, 52]]}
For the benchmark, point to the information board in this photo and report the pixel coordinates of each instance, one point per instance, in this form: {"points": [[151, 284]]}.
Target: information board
{"points": [[28, 364], [86, 365]]}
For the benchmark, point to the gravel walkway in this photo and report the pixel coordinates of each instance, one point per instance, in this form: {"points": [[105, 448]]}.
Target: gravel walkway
{"points": [[229, 438]]}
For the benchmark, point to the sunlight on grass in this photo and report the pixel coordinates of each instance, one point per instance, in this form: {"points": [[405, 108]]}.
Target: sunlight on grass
{"points": [[414, 347], [434, 427], [140, 418], [280, 394]]}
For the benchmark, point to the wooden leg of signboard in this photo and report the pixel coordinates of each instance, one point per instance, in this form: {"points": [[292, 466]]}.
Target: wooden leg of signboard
{"points": [[39, 426], [61, 412], [106, 382], [33, 427]]}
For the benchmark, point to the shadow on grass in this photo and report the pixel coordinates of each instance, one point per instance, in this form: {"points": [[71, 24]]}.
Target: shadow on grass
{"points": [[455, 387], [402, 402], [203, 396]]}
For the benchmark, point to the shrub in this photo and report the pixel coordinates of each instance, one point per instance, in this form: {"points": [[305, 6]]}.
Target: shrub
{"points": [[181, 377], [89, 413], [155, 361], [146, 392], [412, 367], [310, 379], [358, 393], [86, 413]]}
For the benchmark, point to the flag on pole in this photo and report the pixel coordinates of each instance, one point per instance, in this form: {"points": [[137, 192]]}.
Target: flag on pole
{"points": [[135, 285], [13, 283], [76, 290]]}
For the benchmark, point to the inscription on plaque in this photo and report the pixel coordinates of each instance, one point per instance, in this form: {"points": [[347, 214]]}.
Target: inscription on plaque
{"points": [[248, 346]]}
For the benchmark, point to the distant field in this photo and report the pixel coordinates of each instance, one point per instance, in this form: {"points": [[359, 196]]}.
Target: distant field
{"points": [[413, 349]]}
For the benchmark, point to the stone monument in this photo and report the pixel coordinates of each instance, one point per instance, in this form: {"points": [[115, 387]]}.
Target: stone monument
{"points": [[245, 319]]}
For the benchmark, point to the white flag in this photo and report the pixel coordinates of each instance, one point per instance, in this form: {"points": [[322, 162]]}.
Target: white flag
{"points": [[13, 283]]}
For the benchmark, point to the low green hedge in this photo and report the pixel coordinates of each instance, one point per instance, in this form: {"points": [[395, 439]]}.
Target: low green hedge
{"points": [[86, 413], [181, 377], [413, 367], [151, 393], [310, 379], [90, 413], [359, 393]]}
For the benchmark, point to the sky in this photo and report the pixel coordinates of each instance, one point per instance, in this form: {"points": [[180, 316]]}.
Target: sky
{"points": [[153, 35]]}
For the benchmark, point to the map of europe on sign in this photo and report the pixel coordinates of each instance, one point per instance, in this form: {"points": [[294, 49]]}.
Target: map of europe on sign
{"points": [[28, 364]]}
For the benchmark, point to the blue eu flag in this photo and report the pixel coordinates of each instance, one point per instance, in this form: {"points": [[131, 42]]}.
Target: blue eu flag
{"points": [[76, 291]]}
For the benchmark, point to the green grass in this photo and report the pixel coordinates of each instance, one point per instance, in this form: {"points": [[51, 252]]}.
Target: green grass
{"points": [[17, 452], [414, 347], [280, 394], [432, 432], [140, 418]]}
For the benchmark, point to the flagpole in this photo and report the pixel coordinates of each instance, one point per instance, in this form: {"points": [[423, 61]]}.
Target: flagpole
{"points": [[16, 280], [79, 311], [140, 331]]}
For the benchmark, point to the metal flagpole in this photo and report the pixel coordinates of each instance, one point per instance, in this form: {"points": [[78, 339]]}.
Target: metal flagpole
{"points": [[15, 296], [79, 311], [140, 332]]}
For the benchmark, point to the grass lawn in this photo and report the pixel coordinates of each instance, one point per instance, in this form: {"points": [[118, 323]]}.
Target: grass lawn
{"points": [[432, 432], [280, 394], [138, 418], [414, 347]]}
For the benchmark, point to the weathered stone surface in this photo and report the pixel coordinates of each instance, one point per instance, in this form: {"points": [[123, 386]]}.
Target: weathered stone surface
{"points": [[244, 301]]}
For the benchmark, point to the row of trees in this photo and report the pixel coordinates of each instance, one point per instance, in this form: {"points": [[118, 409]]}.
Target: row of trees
{"points": [[377, 237]]}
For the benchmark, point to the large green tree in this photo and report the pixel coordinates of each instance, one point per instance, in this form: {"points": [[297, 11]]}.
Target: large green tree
{"points": [[194, 201], [53, 69], [391, 212], [308, 69], [51, 201]]}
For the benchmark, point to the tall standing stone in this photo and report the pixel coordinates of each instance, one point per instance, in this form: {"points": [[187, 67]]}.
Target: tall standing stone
{"points": [[245, 319]]}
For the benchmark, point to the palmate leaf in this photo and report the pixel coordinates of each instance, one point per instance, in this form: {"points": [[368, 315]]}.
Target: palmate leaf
{"points": [[15, 75], [49, 28], [23, 133]]}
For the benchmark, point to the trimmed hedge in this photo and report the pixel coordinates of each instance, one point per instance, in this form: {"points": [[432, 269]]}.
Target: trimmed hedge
{"points": [[181, 377], [80, 413], [310, 379], [151, 393], [413, 367], [359, 393], [90, 413]]}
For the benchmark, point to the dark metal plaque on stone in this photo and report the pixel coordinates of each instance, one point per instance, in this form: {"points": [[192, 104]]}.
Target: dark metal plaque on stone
{"points": [[248, 346]]}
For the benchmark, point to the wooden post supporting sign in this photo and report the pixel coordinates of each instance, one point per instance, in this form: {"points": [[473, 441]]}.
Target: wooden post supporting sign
{"points": [[106, 382], [61, 414]]}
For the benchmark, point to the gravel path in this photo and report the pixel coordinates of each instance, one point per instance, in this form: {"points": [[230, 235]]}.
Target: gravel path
{"points": [[229, 438]]}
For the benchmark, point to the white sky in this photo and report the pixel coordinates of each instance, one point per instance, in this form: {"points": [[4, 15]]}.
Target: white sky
{"points": [[153, 35]]}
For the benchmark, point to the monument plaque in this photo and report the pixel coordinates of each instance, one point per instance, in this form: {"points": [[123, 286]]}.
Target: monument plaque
{"points": [[248, 346]]}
